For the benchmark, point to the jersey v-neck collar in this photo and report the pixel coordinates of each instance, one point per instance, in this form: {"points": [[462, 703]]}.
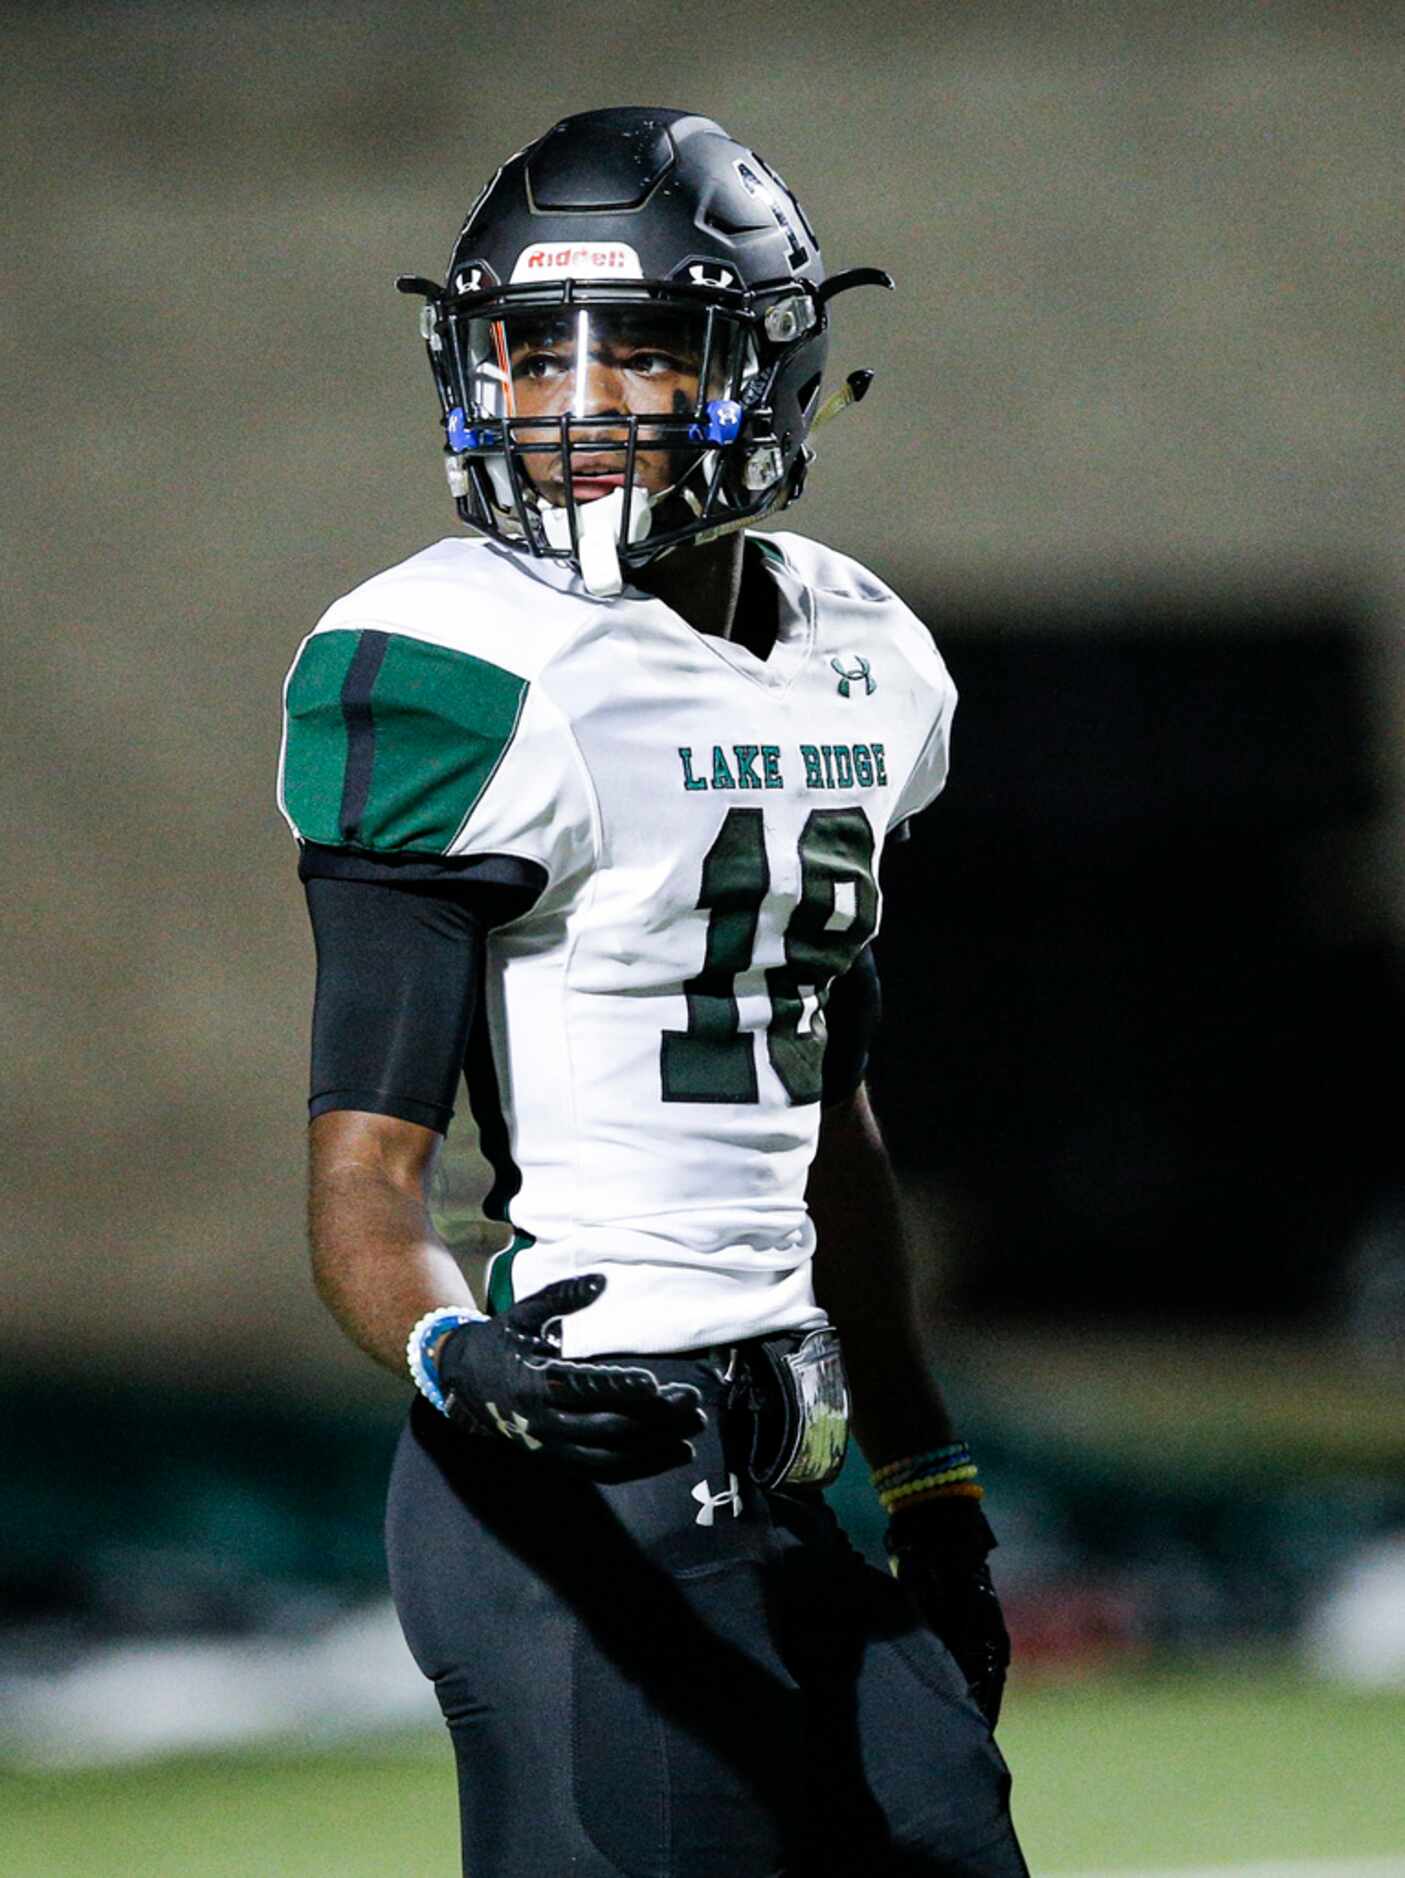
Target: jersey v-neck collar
{"points": [[795, 612], [795, 627]]}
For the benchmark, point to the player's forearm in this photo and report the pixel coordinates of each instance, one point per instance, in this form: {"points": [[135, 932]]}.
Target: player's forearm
{"points": [[377, 1261], [863, 1278]]}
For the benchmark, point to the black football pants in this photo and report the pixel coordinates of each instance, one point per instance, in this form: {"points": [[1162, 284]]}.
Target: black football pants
{"points": [[680, 1677]]}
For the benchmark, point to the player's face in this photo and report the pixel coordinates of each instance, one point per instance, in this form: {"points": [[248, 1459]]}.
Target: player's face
{"points": [[603, 363]]}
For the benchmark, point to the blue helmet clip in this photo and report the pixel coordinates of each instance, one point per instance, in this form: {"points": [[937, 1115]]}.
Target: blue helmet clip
{"points": [[724, 422], [464, 436]]}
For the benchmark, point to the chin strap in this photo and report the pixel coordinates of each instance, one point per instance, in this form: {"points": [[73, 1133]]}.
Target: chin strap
{"points": [[597, 536]]}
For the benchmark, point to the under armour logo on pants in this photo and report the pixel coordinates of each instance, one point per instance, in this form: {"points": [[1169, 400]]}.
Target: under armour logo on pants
{"points": [[708, 1501]]}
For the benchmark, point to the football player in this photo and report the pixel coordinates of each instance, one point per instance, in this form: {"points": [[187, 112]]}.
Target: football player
{"points": [[591, 807]]}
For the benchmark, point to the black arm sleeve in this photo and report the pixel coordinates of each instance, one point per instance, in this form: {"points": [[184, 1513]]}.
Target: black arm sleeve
{"points": [[852, 1015], [400, 956]]}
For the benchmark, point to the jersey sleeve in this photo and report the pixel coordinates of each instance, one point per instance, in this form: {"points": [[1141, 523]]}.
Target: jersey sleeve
{"points": [[927, 777], [400, 746], [899, 664]]}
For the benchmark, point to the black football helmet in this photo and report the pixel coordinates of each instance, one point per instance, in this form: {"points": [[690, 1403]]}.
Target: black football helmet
{"points": [[645, 235]]}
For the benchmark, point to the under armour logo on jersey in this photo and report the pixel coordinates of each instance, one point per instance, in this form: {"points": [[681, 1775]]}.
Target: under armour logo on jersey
{"points": [[860, 671], [708, 1501], [711, 274], [516, 1429]]}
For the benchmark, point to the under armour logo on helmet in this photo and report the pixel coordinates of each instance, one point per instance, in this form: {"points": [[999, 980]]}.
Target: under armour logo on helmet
{"points": [[860, 671], [470, 281], [516, 1429], [711, 274], [708, 1501]]}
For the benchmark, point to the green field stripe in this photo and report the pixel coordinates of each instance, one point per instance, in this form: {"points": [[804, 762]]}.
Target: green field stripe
{"points": [[314, 766]]}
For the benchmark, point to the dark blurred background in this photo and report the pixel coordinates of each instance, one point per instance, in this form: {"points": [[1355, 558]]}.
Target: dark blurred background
{"points": [[1154, 963], [1133, 452]]}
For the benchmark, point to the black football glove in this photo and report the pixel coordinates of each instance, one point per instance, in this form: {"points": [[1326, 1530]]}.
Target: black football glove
{"points": [[938, 1553], [612, 1421]]}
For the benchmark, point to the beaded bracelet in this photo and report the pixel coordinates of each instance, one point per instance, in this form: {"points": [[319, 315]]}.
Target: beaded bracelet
{"points": [[424, 1336], [946, 1473]]}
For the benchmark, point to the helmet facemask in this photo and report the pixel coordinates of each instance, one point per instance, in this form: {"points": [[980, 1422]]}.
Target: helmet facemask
{"points": [[561, 412], [620, 229]]}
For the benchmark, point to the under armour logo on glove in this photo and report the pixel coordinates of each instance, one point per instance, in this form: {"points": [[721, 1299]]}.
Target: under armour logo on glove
{"points": [[516, 1429], [613, 1420], [862, 670], [708, 1501]]}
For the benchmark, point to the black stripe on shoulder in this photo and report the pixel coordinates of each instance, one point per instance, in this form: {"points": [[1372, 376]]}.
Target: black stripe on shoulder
{"points": [[356, 690]]}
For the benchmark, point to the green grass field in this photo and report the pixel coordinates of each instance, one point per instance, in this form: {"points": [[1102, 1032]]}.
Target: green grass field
{"points": [[1159, 1772], [1142, 1773]]}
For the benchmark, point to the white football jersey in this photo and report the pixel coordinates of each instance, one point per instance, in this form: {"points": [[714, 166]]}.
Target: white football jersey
{"points": [[710, 825]]}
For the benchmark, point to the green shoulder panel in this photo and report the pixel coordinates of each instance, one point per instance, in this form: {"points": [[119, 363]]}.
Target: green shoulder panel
{"points": [[391, 741]]}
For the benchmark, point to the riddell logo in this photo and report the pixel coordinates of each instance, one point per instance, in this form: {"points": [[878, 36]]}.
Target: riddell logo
{"points": [[580, 260]]}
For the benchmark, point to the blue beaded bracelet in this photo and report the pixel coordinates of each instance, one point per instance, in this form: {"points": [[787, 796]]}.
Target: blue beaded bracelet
{"points": [[426, 1333]]}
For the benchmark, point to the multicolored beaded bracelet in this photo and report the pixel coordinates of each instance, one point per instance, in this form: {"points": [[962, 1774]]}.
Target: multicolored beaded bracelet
{"points": [[940, 1473]]}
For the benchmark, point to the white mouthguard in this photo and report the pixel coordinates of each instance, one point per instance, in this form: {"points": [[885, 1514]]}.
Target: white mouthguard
{"points": [[597, 529]]}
